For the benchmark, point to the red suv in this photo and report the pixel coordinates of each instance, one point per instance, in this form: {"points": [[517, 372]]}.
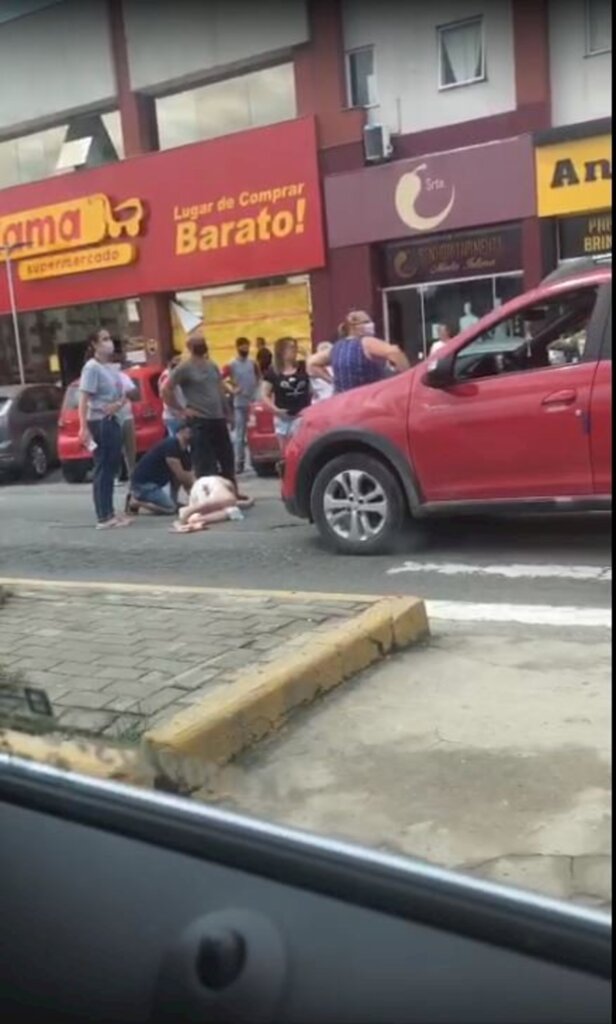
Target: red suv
{"points": [[262, 441], [147, 410], [514, 414]]}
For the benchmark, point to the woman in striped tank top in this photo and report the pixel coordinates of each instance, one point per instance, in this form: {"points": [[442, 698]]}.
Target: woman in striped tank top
{"points": [[357, 358]]}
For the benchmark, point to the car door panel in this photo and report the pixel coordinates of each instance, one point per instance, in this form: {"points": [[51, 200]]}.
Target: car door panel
{"points": [[513, 436]]}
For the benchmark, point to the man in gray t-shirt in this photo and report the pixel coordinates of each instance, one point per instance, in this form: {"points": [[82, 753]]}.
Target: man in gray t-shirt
{"points": [[201, 383], [242, 376]]}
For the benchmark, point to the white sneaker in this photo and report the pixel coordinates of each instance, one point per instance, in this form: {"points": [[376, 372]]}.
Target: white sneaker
{"points": [[234, 513]]}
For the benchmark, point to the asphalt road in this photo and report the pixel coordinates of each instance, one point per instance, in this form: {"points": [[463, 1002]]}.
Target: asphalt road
{"points": [[46, 531]]}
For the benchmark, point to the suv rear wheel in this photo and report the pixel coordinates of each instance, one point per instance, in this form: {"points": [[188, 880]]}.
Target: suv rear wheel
{"points": [[357, 505], [36, 462]]}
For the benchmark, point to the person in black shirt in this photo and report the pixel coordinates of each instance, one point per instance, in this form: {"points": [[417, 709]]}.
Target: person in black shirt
{"points": [[166, 465], [286, 388]]}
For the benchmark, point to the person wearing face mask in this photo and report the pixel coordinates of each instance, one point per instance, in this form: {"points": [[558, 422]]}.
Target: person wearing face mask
{"points": [[357, 357], [242, 376], [101, 399], [202, 387]]}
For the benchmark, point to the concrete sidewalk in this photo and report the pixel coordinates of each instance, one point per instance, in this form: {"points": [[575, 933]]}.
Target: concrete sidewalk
{"points": [[487, 750], [199, 673]]}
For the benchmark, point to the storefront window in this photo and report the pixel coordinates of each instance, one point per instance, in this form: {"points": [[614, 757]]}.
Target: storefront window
{"points": [[417, 317], [54, 341], [36, 156], [236, 104]]}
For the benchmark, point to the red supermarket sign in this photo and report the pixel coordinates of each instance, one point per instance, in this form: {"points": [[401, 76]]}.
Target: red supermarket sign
{"points": [[241, 207]]}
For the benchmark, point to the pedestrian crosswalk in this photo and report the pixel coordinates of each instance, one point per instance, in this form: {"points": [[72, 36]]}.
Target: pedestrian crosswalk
{"points": [[568, 616], [514, 571], [512, 602]]}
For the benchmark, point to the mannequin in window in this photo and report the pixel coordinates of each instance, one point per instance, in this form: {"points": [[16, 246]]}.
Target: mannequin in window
{"points": [[468, 318], [502, 330]]}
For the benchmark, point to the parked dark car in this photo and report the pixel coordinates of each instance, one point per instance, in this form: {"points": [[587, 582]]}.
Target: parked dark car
{"points": [[29, 428]]}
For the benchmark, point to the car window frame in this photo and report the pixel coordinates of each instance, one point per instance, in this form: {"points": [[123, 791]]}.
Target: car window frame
{"points": [[591, 349], [600, 348]]}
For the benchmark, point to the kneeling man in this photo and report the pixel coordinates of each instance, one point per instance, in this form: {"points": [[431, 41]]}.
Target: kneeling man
{"points": [[160, 473]]}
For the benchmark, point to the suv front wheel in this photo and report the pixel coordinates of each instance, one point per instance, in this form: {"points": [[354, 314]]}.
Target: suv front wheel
{"points": [[357, 505]]}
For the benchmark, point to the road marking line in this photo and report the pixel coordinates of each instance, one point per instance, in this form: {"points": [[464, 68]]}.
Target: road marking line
{"points": [[515, 571], [526, 614]]}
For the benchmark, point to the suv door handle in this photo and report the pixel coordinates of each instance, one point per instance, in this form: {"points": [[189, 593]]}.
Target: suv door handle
{"points": [[565, 397]]}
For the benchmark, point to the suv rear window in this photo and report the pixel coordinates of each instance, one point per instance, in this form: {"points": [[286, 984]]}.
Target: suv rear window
{"points": [[71, 399], [4, 401]]}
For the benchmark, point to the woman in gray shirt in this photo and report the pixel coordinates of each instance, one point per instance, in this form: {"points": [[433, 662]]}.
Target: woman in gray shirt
{"points": [[101, 400]]}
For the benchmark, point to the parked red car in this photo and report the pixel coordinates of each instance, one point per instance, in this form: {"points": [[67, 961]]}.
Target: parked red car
{"points": [[513, 415], [262, 442], [147, 410]]}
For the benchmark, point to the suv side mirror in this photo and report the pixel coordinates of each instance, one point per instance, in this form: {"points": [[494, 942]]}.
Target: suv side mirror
{"points": [[441, 371]]}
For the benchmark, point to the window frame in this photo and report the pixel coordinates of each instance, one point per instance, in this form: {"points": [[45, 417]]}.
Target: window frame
{"points": [[349, 80], [588, 52], [448, 26]]}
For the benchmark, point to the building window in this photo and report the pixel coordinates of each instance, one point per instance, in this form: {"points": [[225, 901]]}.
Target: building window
{"points": [[416, 317], [598, 27], [361, 79], [233, 105], [461, 53], [54, 341], [38, 155]]}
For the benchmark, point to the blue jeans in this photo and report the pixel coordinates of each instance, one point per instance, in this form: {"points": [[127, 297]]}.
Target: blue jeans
{"points": [[154, 495], [107, 456], [240, 424], [172, 426]]}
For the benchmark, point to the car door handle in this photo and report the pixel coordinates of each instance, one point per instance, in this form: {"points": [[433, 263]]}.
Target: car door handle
{"points": [[564, 397]]}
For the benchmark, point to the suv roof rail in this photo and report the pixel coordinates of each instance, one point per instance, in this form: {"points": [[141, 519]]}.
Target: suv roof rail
{"points": [[580, 266]]}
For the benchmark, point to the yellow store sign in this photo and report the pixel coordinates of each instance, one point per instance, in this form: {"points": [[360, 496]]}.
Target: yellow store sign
{"points": [[64, 238], [574, 177]]}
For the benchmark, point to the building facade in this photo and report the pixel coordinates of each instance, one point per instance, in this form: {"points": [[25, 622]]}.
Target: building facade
{"points": [[480, 101], [211, 158]]}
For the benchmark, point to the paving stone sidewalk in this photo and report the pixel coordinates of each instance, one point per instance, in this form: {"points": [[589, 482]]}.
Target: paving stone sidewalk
{"points": [[116, 663]]}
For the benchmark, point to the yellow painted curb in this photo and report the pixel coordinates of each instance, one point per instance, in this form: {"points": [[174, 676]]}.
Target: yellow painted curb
{"points": [[260, 701], [302, 596], [82, 757]]}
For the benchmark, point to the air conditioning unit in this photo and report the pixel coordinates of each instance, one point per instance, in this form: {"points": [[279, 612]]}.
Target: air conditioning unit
{"points": [[377, 144]]}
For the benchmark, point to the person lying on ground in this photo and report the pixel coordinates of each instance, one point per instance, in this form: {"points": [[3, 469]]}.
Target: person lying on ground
{"points": [[212, 500], [166, 467]]}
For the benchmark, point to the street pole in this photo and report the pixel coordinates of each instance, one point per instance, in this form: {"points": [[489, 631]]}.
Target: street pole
{"points": [[8, 249]]}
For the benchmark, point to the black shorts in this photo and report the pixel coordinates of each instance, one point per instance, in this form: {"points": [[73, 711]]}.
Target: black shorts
{"points": [[212, 451]]}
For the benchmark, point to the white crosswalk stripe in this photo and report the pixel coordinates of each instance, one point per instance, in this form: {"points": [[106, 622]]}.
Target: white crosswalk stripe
{"points": [[524, 614], [514, 571]]}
